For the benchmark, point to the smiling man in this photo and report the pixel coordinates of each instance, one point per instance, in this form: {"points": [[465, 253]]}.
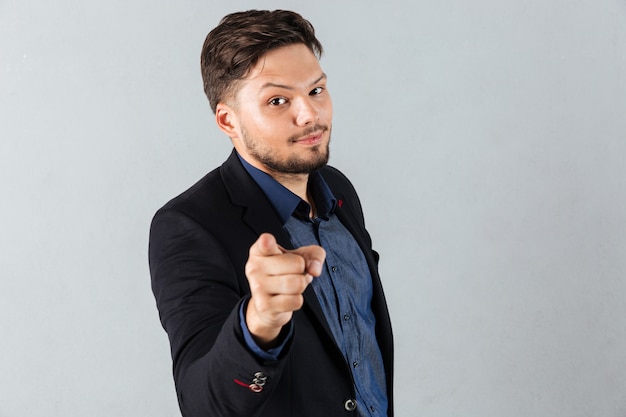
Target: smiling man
{"points": [[263, 272]]}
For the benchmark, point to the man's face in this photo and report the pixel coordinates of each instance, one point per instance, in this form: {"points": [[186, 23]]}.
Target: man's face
{"points": [[283, 113]]}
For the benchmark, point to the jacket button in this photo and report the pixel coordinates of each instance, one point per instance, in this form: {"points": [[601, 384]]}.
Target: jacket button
{"points": [[255, 387], [259, 379], [350, 404]]}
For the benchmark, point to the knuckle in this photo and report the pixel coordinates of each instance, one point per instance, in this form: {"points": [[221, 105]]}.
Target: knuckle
{"points": [[298, 263], [296, 302]]}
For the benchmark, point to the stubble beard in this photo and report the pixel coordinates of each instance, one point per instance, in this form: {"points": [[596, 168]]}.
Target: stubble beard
{"points": [[315, 157]]}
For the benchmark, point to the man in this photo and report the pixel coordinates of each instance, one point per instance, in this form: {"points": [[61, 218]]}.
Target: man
{"points": [[263, 272]]}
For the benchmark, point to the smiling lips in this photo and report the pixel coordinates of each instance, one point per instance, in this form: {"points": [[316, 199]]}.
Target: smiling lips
{"points": [[312, 139], [311, 136]]}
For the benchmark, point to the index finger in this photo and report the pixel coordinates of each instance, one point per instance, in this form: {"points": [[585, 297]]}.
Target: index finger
{"points": [[266, 245]]}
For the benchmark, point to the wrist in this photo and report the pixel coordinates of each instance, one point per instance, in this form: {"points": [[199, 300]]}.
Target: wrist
{"points": [[266, 336]]}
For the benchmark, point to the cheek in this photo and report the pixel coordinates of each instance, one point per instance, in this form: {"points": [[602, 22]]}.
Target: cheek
{"points": [[268, 129], [257, 120], [328, 109]]}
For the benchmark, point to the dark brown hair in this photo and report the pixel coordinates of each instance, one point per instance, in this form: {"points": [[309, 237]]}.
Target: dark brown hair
{"points": [[236, 44]]}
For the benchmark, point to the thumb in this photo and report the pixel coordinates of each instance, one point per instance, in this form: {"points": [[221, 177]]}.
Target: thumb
{"points": [[266, 245]]}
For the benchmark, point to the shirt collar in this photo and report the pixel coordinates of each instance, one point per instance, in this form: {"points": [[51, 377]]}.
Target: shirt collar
{"points": [[287, 203]]}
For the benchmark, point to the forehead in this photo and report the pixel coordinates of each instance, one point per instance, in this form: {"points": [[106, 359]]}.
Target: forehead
{"points": [[293, 65]]}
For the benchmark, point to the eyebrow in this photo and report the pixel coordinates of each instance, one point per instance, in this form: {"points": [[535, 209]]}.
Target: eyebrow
{"points": [[287, 87]]}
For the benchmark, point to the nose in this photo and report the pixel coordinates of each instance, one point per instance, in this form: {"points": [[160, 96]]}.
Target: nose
{"points": [[306, 112]]}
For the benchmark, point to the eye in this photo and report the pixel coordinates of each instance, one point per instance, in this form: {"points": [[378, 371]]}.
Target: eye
{"points": [[316, 91], [277, 101]]}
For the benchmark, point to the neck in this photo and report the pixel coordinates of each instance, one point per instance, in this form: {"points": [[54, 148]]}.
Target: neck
{"points": [[296, 183]]}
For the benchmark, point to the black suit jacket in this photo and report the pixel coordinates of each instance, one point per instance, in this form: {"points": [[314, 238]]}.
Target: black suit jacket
{"points": [[199, 244]]}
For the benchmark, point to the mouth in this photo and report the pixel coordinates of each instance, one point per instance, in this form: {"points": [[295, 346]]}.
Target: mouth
{"points": [[311, 138]]}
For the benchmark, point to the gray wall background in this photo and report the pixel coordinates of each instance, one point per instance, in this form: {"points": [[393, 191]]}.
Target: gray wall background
{"points": [[487, 140]]}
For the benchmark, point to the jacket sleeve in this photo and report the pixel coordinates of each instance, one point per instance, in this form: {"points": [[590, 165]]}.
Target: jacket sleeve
{"points": [[198, 296]]}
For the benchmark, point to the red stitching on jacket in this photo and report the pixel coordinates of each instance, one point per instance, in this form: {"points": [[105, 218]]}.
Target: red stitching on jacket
{"points": [[243, 384]]}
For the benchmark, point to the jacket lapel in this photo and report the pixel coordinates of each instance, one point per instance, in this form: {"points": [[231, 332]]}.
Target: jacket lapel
{"points": [[258, 214]]}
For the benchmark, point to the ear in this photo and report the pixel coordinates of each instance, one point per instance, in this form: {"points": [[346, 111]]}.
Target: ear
{"points": [[226, 119]]}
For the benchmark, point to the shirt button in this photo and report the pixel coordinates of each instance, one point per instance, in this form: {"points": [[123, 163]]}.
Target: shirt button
{"points": [[334, 269], [346, 317], [355, 364], [350, 404]]}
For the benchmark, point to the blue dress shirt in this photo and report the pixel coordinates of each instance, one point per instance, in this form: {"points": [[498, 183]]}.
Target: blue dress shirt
{"points": [[344, 289]]}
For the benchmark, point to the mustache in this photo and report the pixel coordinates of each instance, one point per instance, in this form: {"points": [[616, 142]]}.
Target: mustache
{"points": [[308, 131]]}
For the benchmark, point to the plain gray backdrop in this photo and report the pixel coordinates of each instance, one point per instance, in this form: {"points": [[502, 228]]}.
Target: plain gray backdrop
{"points": [[487, 140]]}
